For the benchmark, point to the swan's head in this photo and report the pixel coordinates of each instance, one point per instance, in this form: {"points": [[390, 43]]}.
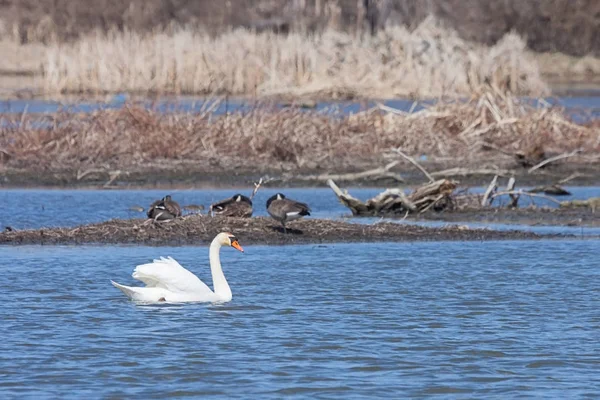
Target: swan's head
{"points": [[228, 239]]}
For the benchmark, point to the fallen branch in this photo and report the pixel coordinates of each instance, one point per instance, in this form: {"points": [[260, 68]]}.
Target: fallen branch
{"points": [[521, 192], [394, 201], [467, 172], [488, 192], [570, 178], [81, 174], [112, 175], [413, 162], [441, 196], [552, 159], [510, 187], [356, 206], [381, 172], [256, 187]]}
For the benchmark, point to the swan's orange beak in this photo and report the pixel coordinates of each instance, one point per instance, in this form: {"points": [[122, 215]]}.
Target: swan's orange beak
{"points": [[236, 245]]}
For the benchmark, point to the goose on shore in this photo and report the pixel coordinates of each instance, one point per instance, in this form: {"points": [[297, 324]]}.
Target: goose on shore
{"points": [[236, 206], [167, 281], [283, 209], [164, 209]]}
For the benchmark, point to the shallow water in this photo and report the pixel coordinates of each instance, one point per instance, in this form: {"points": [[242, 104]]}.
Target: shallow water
{"points": [[394, 320], [34, 208], [579, 107]]}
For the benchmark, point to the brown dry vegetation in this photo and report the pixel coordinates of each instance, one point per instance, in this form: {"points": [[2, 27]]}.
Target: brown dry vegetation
{"points": [[132, 137], [429, 61], [322, 47]]}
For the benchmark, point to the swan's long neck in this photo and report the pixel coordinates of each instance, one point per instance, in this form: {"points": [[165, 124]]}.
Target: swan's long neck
{"points": [[220, 283]]}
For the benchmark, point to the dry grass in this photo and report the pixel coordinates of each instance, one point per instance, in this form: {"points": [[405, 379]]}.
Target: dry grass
{"points": [[263, 137], [428, 62]]}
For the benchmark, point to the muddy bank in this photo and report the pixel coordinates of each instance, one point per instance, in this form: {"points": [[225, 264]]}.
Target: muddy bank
{"points": [[199, 176], [534, 216], [200, 230]]}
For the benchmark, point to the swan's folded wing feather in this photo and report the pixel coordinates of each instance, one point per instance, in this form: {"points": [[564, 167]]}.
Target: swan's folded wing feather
{"points": [[169, 274]]}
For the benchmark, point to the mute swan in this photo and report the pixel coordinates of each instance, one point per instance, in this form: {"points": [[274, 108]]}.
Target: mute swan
{"points": [[283, 209], [166, 280], [236, 206], [163, 209]]}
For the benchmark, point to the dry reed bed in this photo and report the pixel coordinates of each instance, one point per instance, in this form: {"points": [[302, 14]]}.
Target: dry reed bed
{"points": [[429, 61], [270, 138], [201, 230]]}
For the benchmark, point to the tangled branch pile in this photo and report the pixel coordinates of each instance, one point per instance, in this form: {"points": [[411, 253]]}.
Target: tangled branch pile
{"points": [[436, 195], [270, 139]]}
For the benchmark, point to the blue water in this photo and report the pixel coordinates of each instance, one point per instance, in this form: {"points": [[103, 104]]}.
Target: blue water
{"points": [[393, 320], [579, 107], [35, 208]]}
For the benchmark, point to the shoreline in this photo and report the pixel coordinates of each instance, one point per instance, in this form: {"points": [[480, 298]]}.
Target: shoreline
{"points": [[200, 230], [191, 177]]}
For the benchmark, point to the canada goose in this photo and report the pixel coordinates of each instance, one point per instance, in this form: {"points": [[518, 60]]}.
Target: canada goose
{"points": [[283, 210], [236, 206], [166, 280], [164, 209]]}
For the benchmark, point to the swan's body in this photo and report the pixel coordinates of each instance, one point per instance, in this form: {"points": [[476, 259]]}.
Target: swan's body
{"points": [[166, 280]]}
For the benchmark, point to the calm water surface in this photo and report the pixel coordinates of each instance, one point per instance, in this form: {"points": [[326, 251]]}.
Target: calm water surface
{"points": [[580, 107], [394, 320]]}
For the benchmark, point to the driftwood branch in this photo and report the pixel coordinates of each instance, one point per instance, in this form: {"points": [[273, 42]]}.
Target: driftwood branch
{"points": [[356, 206], [395, 201], [466, 172], [520, 192], [381, 172], [256, 187], [413, 162], [552, 159], [488, 192], [510, 187]]}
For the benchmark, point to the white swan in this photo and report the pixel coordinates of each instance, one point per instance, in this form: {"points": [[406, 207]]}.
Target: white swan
{"points": [[166, 280]]}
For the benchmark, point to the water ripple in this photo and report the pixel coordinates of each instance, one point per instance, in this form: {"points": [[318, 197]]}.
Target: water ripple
{"points": [[453, 320]]}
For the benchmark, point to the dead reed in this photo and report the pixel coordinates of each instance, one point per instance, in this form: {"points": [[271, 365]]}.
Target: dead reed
{"points": [[429, 61], [276, 139]]}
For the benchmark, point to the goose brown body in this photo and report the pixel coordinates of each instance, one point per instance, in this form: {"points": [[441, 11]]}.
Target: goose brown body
{"points": [[237, 206], [164, 209], [284, 210]]}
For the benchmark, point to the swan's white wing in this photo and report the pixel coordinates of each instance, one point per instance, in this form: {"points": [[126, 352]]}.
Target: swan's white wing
{"points": [[169, 274]]}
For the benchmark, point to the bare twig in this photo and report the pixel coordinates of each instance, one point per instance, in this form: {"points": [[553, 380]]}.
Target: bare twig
{"points": [[514, 198], [112, 175], [382, 172], [552, 159], [488, 193], [441, 196], [570, 178], [256, 187], [467, 171], [520, 192], [413, 162]]}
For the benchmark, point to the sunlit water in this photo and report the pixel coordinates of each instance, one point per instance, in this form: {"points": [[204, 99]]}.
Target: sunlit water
{"points": [[394, 320]]}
